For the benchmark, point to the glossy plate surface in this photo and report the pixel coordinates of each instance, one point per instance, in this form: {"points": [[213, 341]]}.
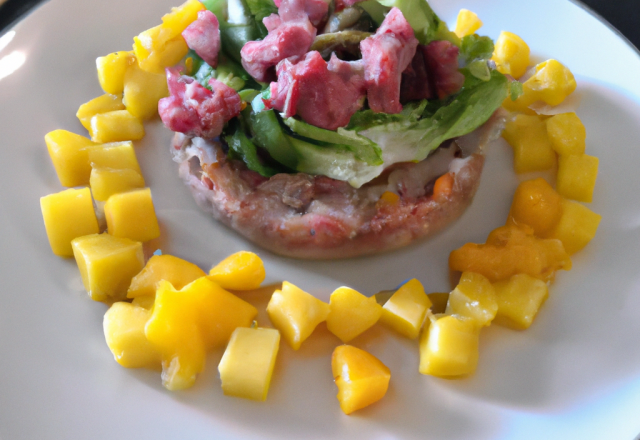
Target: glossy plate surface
{"points": [[574, 374]]}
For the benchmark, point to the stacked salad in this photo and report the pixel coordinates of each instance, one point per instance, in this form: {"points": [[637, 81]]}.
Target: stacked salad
{"points": [[338, 88]]}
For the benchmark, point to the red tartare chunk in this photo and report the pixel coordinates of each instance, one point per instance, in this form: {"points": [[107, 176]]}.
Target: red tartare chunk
{"points": [[203, 36], [195, 110], [386, 55], [290, 35], [442, 59], [322, 94], [315, 9]]}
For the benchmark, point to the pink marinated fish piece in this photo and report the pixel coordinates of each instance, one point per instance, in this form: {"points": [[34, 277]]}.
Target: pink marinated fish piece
{"points": [[194, 110], [316, 10], [288, 39], [322, 94], [349, 3], [442, 62], [386, 55], [203, 36], [272, 22]]}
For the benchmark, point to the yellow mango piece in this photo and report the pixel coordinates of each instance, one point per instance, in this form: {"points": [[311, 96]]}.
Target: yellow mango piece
{"points": [[111, 69], [577, 174], [146, 302], [511, 54], [182, 16], [132, 215], [567, 133], [108, 181], [532, 149], [143, 90], [467, 23], [67, 215], [240, 271], [186, 323], [295, 313], [119, 155], [509, 250], [351, 313], [177, 271], [101, 104], [158, 48], [247, 364], [116, 126], [68, 152], [536, 204], [123, 326], [361, 378], [552, 83], [475, 298], [449, 347], [519, 300], [107, 264], [406, 309], [577, 226]]}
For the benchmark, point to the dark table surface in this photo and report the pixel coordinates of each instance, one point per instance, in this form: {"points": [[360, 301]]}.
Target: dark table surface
{"points": [[622, 14]]}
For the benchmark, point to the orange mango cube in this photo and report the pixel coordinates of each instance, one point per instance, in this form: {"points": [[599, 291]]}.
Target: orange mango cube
{"points": [[567, 133], [577, 226], [296, 313], [132, 215], [143, 90], [101, 104], [116, 126], [351, 313], [177, 271], [68, 152], [519, 300], [108, 181], [240, 271], [111, 69], [577, 174], [119, 155], [405, 311], [536, 204], [449, 346], [67, 215], [532, 149], [511, 54], [361, 378], [467, 23], [475, 298]]}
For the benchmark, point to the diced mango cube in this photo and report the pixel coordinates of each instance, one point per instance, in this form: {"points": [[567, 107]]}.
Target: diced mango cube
{"points": [[567, 133], [361, 378], [247, 364], [240, 271], [536, 204], [351, 313], [143, 90], [467, 23], [182, 16], [119, 155], [68, 153], [116, 126], [158, 48], [108, 181], [67, 215], [511, 54], [296, 313], [186, 323], [177, 271], [532, 149], [577, 174], [406, 309], [519, 300], [474, 297], [123, 326], [101, 104], [107, 264], [132, 215], [449, 347], [552, 83], [509, 250], [577, 226], [111, 70]]}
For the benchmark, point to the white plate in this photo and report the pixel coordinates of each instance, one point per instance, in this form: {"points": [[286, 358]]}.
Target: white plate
{"points": [[574, 374]]}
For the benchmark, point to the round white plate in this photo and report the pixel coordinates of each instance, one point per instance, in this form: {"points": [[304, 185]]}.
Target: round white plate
{"points": [[574, 374]]}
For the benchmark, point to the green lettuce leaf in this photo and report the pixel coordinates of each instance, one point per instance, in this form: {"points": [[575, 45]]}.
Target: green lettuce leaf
{"points": [[424, 22]]}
